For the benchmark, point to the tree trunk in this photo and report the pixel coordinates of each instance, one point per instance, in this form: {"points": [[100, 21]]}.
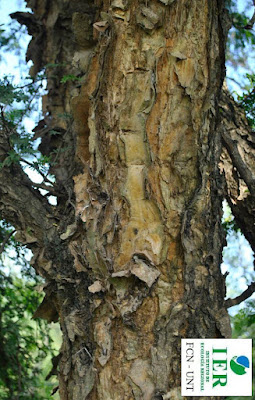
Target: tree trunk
{"points": [[134, 246]]}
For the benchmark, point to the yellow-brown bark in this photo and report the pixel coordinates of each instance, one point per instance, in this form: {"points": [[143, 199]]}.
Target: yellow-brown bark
{"points": [[146, 239]]}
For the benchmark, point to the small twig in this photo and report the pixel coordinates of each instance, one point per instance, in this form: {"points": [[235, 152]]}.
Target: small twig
{"points": [[54, 390], [252, 20], [84, 348], [28, 106], [30, 83], [45, 187], [38, 170], [5, 241], [239, 299], [236, 82], [250, 24]]}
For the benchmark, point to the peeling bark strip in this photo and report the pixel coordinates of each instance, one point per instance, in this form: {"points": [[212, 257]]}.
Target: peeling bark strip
{"points": [[138, 141]]}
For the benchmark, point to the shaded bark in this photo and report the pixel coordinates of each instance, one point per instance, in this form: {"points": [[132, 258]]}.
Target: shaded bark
{"points": [[17, 193], [133, 256]]}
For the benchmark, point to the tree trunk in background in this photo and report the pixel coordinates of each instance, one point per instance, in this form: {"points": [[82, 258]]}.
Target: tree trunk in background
{"points": [[133, 262]]}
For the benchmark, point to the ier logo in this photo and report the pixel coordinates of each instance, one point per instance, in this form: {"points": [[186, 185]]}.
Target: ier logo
{"points": [[216, 367]]}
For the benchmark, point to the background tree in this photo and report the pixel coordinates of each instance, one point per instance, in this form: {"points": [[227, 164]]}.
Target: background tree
{"points": [[133, 135], [26, 344]]}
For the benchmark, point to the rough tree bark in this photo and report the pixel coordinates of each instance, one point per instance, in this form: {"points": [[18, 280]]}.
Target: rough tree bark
{"points": [[131, 253]]}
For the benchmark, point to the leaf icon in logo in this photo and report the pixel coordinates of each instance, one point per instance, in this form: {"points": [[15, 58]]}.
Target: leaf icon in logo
{"points": [[238, 364]]}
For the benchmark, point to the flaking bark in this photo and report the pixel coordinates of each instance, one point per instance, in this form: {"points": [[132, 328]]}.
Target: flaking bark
{"points": [[133, 258]]}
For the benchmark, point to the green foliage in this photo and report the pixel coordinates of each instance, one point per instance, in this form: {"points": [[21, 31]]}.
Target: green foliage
{"points": [[11, 38], [243, 326], [24, 343], [240, 38], [244, 321], [228, 222], [9, 93], [247, 100], [69, 78], [240, 45], [22, 348], [230, 225], [16, 104]]}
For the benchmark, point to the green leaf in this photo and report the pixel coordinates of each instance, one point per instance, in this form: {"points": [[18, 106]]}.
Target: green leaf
{"points": [[69, 78]]}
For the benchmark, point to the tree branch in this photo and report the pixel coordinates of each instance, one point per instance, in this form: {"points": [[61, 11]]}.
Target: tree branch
{"points": [[250, 23], [38, 170], [252, 20], [20, 204], [6, 240], [235, 81], [238, 164], [244, 296], [51, 191]]}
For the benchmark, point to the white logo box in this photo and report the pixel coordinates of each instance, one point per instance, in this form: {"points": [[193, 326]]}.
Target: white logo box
{"points": [[216, 367]]}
